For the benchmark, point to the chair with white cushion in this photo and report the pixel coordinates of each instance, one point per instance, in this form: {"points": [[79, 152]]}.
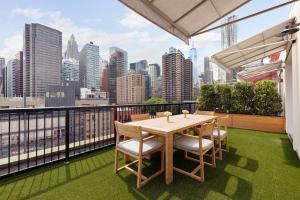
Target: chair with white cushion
{"points": [[221, 135], [139, 117], [197, 145], [138, 148]]}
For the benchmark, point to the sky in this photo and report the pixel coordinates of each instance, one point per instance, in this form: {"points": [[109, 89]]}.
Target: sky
{"points": [[109, 23]]}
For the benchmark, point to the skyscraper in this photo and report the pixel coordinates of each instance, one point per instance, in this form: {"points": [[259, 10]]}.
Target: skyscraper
{"points": [[72, 49], [10, 78], [193, 55], [89, 67], [19, 74], [141, 68], [154, 71], [122, 60], [117, 67], [2, 66], [70, 70], [188, 79], [228, 38], [42, 58], [131, 89], [104, 78], [208, 74], [177, 77]]}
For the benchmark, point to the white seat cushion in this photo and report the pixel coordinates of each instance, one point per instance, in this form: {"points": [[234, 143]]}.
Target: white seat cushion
{"points": [[145, 134], [132, 146], [185, 142], [222, 133]]}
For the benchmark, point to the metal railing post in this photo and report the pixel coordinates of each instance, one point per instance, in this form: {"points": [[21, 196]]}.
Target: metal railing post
{"points": [[67, 137]]}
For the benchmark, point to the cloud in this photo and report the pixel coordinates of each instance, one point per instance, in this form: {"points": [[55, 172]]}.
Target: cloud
{"points": [[12, 45], [133, 20], [139, 44], [29, 13]]}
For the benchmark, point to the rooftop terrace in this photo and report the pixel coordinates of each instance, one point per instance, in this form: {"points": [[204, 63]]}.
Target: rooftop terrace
{"points": [[259, 166]]}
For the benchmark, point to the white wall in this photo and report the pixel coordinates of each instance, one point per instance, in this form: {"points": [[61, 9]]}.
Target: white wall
{"points": [[292, 86]]}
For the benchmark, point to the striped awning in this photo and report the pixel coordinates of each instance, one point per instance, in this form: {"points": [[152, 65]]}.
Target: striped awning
{"points": [[254, 48], [259, 71]]}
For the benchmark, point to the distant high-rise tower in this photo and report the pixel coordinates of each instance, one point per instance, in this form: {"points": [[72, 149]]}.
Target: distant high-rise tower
{"points": [[19, 74], [2, 66], [228, 38], [141, 68], [70, 70], [89, 66], [131, 89], [117, 67], [122, 60], [154, 73], [72, 49], [42, 58], [208, 74], [10, 78], [193, 55], [104, 77], [177, 79]]}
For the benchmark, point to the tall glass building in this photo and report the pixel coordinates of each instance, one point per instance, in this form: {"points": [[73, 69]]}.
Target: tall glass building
{"points": [[194, 57], [89, 66], [70, 70]]}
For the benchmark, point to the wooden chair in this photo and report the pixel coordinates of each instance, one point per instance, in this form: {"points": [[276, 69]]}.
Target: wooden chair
{"points": [[137, 148], [201, 112], [160, 114], [221, 134], [139, 117], [199, 146]]}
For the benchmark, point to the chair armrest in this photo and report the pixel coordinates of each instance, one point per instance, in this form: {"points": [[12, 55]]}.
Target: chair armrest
{"points": [[149, 138]]}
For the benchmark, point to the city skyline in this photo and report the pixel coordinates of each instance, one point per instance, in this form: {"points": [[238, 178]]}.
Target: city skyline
{"points": [[121, 28]]}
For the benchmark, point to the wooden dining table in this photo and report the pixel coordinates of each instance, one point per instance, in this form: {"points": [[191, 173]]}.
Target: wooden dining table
{"points": [[167, 129]]}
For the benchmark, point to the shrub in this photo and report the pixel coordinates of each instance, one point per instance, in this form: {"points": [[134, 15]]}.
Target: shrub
{"points": [[223, 98], [207, 98], [267, 99], [156, 101], [242, 98]]}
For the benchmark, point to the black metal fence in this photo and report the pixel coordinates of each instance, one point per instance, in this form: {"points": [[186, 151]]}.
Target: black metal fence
{"points": [[33, 137]]}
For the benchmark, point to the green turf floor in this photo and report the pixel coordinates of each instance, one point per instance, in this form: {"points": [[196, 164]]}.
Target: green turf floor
{"points": [[258, 166]]}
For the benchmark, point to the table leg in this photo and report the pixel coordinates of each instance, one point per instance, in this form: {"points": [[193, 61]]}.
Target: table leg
{"points": [[169, 158]]}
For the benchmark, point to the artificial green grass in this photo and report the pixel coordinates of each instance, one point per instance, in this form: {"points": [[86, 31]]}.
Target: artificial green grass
{"points": [[258, 166]]}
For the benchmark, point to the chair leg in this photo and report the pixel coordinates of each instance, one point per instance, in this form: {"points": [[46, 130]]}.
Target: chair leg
{"points": [[139, 175], [201, 167], [220, 149], [227, 146], [213, 156], [116, 160]]}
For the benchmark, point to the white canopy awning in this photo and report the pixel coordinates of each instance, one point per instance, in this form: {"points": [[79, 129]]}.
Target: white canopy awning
{"points": [[254, 48], [183, 18], [257, 71]]}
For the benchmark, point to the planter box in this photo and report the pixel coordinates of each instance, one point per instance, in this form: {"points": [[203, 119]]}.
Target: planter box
{"points": [[256, 122]]}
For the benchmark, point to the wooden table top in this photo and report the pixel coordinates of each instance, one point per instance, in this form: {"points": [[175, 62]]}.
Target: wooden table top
{"points": [[177, 123]]}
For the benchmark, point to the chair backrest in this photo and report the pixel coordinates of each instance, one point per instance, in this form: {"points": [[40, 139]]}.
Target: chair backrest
{"points": [[138, 117], [223, 121], [160, 114], [128, 130], [201, 112], [207, 129]]}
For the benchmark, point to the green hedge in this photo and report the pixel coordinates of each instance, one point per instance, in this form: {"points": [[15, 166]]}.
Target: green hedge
{"points": [[207, 98], [241, 98], [267, 99]]}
